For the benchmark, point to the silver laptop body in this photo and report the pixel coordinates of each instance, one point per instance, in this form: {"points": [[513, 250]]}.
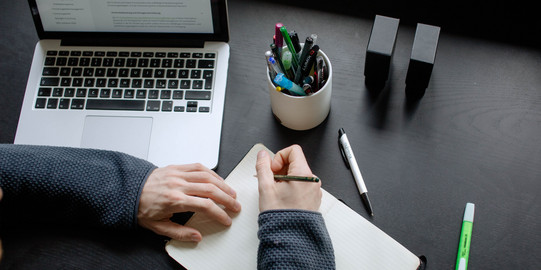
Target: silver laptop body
{"points": [[147, 78]]}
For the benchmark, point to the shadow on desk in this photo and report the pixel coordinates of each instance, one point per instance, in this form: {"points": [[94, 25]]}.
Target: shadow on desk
{"points": [[64, 248], [511, 22]]}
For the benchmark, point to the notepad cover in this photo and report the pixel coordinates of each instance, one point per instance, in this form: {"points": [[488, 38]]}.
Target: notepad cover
{"points": [[357, 243]]}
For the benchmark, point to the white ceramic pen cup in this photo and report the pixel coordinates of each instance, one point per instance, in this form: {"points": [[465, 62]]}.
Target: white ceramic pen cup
{"points": [[302, 112]]}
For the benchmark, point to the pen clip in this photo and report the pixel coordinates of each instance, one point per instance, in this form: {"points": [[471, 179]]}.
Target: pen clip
{"points": [[343, 153]]}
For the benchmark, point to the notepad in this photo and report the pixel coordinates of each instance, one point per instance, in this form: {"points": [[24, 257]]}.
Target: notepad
{"points": [[357, 243]]}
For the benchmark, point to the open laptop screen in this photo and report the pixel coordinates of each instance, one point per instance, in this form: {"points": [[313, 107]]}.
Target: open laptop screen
{"points": [[88, 20]]}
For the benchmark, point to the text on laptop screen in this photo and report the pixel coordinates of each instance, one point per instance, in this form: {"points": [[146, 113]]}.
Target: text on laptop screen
{"points": [[135, 16]]}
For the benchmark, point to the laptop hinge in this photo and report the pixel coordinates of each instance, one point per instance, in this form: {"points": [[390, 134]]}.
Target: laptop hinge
{"points": [[128, 42]]}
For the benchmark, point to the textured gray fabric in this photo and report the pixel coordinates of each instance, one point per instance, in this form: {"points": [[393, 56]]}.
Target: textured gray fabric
{"points": [[73, 186], [294, 239], [70, 186]]}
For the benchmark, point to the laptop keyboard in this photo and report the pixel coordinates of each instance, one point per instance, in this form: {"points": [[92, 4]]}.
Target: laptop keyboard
{"points": [[129, 81]]}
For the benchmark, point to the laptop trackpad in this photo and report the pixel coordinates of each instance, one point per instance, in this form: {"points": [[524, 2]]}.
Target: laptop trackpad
{"points": [[130, 135]]}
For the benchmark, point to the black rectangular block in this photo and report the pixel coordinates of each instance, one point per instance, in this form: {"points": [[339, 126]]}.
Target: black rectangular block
{"points": [[380, 50], [423, 55]]}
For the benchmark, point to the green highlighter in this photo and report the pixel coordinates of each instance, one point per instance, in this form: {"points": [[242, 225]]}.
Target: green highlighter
{"points": [[465, 238]]}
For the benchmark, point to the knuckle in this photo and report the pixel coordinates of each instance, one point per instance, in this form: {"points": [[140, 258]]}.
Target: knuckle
{"points": [[199, 166], [207, 204], [174, 197], [209, 189]]}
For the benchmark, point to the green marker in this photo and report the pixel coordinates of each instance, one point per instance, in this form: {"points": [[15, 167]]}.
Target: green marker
{"points": [[465, 238], [286, 60], [290, 46]]}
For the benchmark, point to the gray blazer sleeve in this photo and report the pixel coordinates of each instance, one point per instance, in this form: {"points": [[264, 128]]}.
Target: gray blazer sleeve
{"points": [[294, 239], [71, 186]]}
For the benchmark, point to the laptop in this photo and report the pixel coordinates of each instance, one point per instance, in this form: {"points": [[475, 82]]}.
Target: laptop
{"points": [[144, 77]]}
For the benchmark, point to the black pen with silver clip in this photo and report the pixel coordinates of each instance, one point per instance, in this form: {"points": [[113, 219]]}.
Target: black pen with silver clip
{"points": [[351, 163]]}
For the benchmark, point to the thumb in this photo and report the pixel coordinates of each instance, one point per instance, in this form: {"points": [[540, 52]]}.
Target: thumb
{"points": [[263, 168]]}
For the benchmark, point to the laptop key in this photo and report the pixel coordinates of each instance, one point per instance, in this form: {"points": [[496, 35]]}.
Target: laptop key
{"points": [[65, 82], [77, 82], [141, 94], [167, 106], [81, 92], [77, 104], [49, 81], [73, 61], [50, 71], [185, 84], [178, 94], [197, 95], [132, 62], [61, 61], [120, 62], [207, 75], [183, 73], [125, 83], [96, 62], [117, 93], [52, 103], [197, 84], [40, 103], [153, 105], [69, 92], [64, 103], [205, 64], [148, 83], [165, 94], [93, 92], [88, 72], [57, 92], [129, 93], [191, 63], [161, 83], [115, 104], [105, 93], [85, 62], [153, 94], [49, 61], [44, 91], [65, 71], [75, 72]]}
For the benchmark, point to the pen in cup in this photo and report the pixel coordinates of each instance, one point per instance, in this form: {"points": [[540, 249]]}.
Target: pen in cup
{"points": [[277, 56], [287, 39], [307, 46]]}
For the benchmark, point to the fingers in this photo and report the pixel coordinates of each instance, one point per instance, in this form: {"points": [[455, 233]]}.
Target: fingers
{"points": [[291, 160], [175, 231], [209, 190], [264, 172], [197, 173]]}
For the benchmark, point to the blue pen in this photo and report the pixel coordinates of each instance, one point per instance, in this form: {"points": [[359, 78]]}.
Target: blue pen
{"points": [[284, 82], [274, 66]]}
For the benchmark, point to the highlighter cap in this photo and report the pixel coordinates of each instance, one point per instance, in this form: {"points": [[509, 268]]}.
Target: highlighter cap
{"points": [[468, 213]]}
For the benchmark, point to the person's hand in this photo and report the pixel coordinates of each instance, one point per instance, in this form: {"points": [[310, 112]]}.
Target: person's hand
{"points": [[182, 188], [286, 194]]}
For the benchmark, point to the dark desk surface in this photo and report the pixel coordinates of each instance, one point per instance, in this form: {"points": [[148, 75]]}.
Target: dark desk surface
{"points": [[474, 137]]}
